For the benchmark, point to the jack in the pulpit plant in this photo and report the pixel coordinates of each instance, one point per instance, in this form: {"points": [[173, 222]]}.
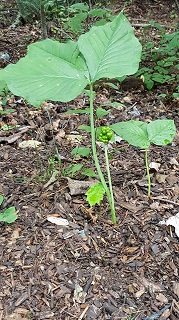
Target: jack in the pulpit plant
{"points": [[61, 71]]}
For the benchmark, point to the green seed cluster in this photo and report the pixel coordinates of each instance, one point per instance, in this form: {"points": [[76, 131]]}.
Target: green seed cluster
{"points": [[105, 135]]}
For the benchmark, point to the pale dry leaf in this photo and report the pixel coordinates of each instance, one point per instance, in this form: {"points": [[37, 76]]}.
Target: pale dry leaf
{"points": [[174, 161], [172, 221], [15, 234], [161, 178], [139, 293], [52, 179], [155, 166], [58, 221], [172, 179], [61, 133], [79, 187], [155, 206], [74, 137], [56, 124], [126, 99], [79, 294], [29, 144], [160, 297], [11, 139], [6, 155], [117, 138]]}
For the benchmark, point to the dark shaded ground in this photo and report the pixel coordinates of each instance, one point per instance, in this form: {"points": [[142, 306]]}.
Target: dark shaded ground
{"points": [[89, 269]]}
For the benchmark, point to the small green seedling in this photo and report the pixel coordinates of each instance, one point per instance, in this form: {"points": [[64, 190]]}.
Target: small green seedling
{"points": [[141, 134], [7, 111], [61, 71], [9, 215]]}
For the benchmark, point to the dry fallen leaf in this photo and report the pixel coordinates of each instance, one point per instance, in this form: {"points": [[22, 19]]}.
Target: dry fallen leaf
{"points": [[172, 221], [52, 179], [29, 144], [78, 186], [161, 178], [160, 297], [58, 221], [155, 166], [174, 161]]}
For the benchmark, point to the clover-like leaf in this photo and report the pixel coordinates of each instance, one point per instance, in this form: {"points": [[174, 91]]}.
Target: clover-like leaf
{"points": [[95, 194], [9, 215]]}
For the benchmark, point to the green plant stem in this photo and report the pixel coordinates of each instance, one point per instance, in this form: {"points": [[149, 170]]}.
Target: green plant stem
{"points": [[113, 214], [147, 170], [93, 142]]}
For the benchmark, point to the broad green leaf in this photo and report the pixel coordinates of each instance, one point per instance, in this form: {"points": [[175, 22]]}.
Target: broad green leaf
{"points": [[95, 194], [100, 112], [98, 12], [50, 71], [100, 22], [89, 173], [1, 199], [161, 132], [85, 128], [111, 50], [81, 151], [114, 104], [80, 6], [72, 169], [112, 85], [9, 215], [76, 111], [75, 22], [134, 132]]}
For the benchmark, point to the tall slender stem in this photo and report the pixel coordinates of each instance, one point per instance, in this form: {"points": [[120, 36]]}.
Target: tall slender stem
{"points": [[148, 172], [113, 214], [93, 142]]}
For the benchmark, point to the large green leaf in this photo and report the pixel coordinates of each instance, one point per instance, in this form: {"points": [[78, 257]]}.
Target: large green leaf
{"points": [[134, 132], [50, 71], [111, 50], [161, 132]]}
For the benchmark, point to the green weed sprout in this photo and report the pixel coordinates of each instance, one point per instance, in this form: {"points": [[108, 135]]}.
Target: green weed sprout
{"points": [[61, 71], [9, 215], [141, 134]]}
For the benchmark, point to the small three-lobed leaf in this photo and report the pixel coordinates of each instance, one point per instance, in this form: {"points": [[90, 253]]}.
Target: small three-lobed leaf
{"points": [[95, 194]]}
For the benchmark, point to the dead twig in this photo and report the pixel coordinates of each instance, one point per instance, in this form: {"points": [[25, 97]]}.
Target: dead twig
{"points": [[83, 313], [166, 200]]}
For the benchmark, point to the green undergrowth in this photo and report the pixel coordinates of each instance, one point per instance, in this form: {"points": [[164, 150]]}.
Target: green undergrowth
{"points": [[160, 60]]}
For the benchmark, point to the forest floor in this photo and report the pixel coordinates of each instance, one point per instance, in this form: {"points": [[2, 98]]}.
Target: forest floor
{"points": [[88, 269]]}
